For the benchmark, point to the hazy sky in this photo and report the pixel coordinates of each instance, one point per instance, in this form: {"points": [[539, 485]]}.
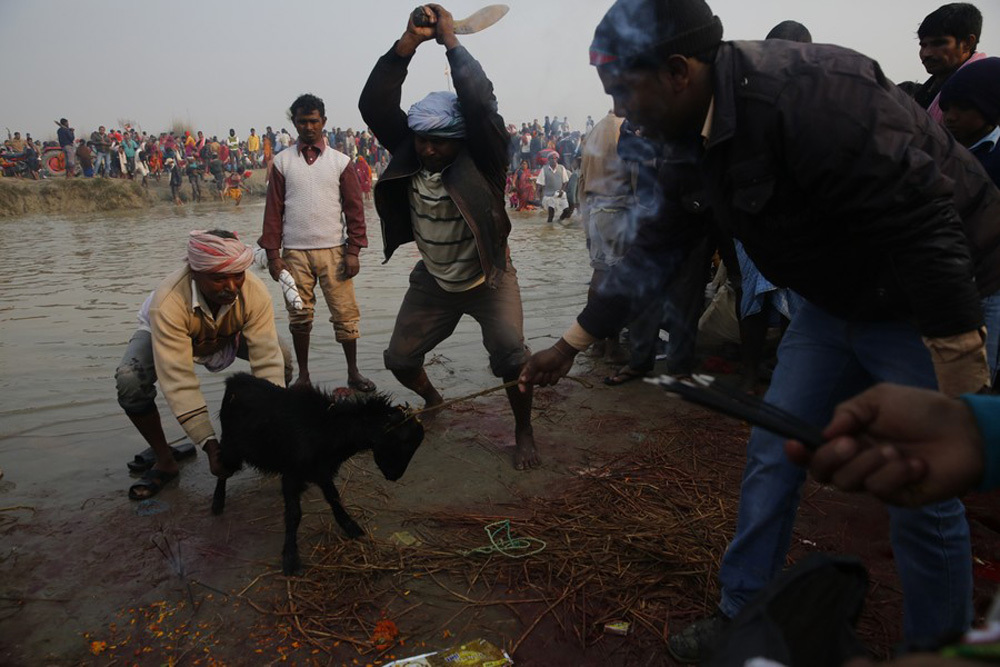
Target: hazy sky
{"points": [[217, 64]]}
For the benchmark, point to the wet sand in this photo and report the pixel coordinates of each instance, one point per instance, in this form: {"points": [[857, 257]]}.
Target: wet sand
{"points": [[81, 563]]}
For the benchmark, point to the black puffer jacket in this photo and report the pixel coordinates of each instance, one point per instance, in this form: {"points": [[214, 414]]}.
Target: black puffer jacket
{"points": [[475, 180], [839, 186]]}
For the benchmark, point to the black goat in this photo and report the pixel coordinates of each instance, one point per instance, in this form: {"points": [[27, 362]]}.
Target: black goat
{"points": [[305, 435]]}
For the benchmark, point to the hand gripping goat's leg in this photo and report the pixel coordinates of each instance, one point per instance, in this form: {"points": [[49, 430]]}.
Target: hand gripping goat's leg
{"points": [[291, 489], [344, 519]]}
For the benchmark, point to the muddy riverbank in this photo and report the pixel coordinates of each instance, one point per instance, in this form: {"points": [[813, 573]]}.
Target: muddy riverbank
{"points": [[61, 196]]}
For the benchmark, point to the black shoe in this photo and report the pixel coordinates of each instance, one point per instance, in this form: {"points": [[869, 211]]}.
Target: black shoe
{"points": [[145, 459], [695, 642]]}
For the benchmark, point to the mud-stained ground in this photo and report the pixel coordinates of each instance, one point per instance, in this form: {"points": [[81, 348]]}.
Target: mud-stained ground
{"points": [[168, 583], [635, 499]]}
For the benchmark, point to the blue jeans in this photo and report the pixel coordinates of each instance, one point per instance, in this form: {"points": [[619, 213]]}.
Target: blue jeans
{"points": [[103, 159], [991, 316], [823, 360]]}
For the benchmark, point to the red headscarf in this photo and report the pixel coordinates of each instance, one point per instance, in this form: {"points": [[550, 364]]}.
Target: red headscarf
{"points": [[208, 253]]}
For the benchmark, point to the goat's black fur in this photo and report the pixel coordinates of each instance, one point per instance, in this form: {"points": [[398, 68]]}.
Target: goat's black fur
{"points": [[304, 435]]}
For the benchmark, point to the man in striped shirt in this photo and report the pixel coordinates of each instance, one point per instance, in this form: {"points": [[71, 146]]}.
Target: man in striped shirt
{"points": [[443, 189]]}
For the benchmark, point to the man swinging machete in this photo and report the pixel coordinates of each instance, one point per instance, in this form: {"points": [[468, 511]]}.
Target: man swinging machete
{"points": [[443, 190]]}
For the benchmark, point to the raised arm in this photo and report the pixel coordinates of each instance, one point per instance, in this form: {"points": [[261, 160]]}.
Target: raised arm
{"points": [[380, 98]]}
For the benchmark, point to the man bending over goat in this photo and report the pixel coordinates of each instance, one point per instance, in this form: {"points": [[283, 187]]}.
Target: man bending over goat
{"points": [[444, 189], [209, 312]]}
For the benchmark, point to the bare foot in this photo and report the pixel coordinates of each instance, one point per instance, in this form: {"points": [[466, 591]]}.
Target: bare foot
{"points": [[359, 382], [301, 382], [525, 453], [427, 417], [152, 482]]}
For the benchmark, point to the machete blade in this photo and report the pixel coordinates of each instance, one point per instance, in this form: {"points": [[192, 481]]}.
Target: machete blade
{"points": [[481, 19]]}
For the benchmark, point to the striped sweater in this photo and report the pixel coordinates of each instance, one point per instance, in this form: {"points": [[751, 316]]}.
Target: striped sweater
{"points": [[446, 242]]}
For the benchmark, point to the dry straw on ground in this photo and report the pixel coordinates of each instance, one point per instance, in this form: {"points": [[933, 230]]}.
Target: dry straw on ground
{"points": [[634, 538]]}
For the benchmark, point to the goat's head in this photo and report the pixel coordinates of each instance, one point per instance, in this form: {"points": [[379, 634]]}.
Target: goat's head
{"points": [[396, 445]]}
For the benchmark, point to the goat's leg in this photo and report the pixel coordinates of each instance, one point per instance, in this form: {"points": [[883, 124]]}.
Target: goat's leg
{"points": [[344, 519], [219, 498], [291, 489]]}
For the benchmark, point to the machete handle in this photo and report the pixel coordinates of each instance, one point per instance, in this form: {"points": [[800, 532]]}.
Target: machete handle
{"points": [[420, 19]]}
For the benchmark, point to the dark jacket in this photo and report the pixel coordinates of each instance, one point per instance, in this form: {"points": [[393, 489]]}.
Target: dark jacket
{"points": [[839, 186], [989, 156], [66, 136], [475, 180]]}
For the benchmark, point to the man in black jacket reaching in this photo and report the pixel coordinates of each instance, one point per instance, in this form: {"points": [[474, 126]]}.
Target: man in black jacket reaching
{"points": [[840, 187], [444, 190]]}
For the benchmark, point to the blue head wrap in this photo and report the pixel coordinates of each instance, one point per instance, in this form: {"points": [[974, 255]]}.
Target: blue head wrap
{"points": [[438, 115]]}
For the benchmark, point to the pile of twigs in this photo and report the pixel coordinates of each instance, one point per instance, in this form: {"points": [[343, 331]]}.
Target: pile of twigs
{"points": [[635, 538]]}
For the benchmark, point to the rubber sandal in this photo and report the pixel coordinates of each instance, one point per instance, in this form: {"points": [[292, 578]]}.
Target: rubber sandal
{"points": [[154, 480], [626, 374], [145, 459], [365, 385]]}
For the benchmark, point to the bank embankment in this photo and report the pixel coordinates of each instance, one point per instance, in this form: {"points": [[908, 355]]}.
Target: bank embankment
{"points": [[78, 195]]}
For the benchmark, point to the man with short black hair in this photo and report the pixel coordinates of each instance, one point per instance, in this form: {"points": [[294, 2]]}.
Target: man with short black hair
{"points": [[444, 189], [67, 142], [793, 31], [85, 156], [253, 147], [314, 226], [16, 144], [948, 39], [766, 145], [233, 144]]}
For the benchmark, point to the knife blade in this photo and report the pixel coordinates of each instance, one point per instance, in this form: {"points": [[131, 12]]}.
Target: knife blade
{"points": [[479, 20]]}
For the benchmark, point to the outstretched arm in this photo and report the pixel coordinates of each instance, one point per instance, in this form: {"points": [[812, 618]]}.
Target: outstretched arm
{"points": [[651, 262], [905, 446]]}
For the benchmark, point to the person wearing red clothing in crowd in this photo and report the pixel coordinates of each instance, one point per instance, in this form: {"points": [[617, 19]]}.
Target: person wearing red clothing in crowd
{"points": [[364, 177], [170, 147]]}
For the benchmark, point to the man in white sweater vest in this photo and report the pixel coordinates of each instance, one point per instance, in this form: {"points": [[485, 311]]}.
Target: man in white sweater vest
{"points": [[314, 211]]}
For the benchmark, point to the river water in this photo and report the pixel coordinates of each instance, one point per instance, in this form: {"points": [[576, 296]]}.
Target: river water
{"points": [[70, 288]]}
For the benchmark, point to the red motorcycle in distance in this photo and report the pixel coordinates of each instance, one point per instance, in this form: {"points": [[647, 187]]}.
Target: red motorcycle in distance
{"points": [[54, 161]]}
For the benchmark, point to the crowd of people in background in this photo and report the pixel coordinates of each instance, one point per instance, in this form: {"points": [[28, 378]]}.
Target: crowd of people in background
{"points": [[616, 175], [181, 155], [193, 156], [545, 166]]}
